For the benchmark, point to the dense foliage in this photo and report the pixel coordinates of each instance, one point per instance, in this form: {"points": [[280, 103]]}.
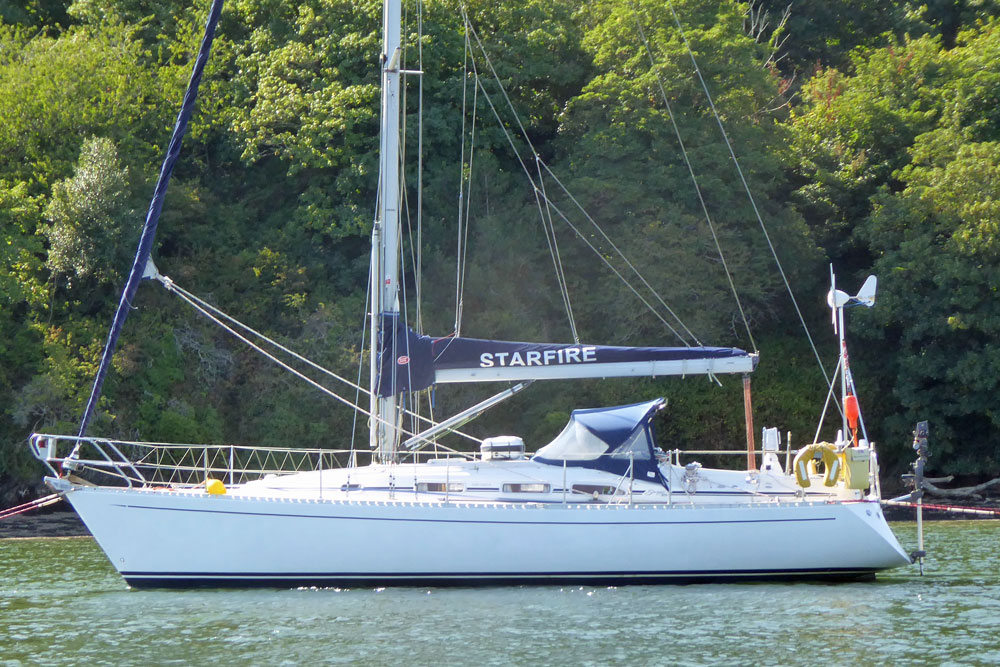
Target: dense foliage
{"points": [[869, 138]]}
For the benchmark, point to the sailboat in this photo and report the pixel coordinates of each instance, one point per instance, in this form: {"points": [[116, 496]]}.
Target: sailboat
{"points": [[599, 504]]}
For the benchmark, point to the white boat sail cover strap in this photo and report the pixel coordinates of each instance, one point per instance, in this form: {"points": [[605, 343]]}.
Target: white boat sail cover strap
{"points": [[610, 439], [410, 362]]}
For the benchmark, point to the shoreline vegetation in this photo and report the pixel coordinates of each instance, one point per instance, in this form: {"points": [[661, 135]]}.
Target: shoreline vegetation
{"points": [[869, 132], [62, 522]]}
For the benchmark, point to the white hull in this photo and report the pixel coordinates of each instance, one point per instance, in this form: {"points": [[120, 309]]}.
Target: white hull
{"points": [[601, 503], [169, 538]]}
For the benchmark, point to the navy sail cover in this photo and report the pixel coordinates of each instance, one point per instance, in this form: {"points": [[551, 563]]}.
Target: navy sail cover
{"points": [[609, 439], [410, 362]]}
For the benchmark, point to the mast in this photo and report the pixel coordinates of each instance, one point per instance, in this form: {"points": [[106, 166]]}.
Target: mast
{"points": [[383, 433]]}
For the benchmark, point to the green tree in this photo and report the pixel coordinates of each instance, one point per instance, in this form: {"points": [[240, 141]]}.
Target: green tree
{"points": [[87, 215], [20, 249], [270, 208], [54, 92], [626, 160], [21, 288], [950, 17], [825, 34], [852, 134], [35, 13], [311, 104], [940, 262], [900, 164]]}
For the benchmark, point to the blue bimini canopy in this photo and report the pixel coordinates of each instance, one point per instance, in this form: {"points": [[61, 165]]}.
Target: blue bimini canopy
{"points": [[608, 439]]}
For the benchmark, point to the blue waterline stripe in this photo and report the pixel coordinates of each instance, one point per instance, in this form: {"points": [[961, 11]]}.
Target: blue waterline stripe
{"points": [[466, 521]]}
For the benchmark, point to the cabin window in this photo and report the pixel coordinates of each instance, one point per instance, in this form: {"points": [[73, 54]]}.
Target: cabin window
{"points": [[530, 487], [440, 487]]}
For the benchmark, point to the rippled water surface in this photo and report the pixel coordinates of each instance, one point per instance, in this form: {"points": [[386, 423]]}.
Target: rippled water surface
{"points": [[62, 603]]}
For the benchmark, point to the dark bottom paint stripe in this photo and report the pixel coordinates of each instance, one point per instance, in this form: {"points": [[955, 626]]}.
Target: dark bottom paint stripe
{"points": [[277, 580]]}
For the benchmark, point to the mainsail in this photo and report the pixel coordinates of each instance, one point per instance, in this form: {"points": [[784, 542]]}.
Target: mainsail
{"points": [[410, 362]]}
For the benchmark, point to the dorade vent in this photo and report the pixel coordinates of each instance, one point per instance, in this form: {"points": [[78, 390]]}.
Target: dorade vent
{"points": [[502, 447], [440, 487], [527, 487]]}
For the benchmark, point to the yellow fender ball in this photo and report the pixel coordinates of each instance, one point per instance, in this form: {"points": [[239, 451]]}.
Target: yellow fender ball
{"points": [[215, 487]]}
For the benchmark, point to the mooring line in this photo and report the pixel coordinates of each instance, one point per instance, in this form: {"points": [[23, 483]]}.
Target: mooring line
{"points": [[946, 508], [32, 505]]}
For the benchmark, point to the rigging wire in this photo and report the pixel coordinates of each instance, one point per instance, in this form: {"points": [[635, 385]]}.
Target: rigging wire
{"points": [[539, 200], [746, 187], [621, 277], [596, 250], [217, 316], [416, 240], [374, 285], [461, 188], [465, 189], [550, 238], [625, 259], [414, 248], [694, 178], [361, 361], [464, 229], [403, 314], [403, 192], [541, 197], [418, 265], [826, 403]]}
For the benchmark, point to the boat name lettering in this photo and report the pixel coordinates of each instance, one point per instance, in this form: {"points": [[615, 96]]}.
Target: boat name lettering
{"points": [[564, 355]]}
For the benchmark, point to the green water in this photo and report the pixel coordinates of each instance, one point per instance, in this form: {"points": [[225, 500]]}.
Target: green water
{"points": [[62, 603]]}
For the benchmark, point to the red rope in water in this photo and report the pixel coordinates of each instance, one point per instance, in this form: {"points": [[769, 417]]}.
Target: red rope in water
{"points": [[947, 508], [33, 505]]}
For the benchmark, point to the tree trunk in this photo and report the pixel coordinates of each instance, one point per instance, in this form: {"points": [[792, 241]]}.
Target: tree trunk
{"points": [[962, 492]]}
